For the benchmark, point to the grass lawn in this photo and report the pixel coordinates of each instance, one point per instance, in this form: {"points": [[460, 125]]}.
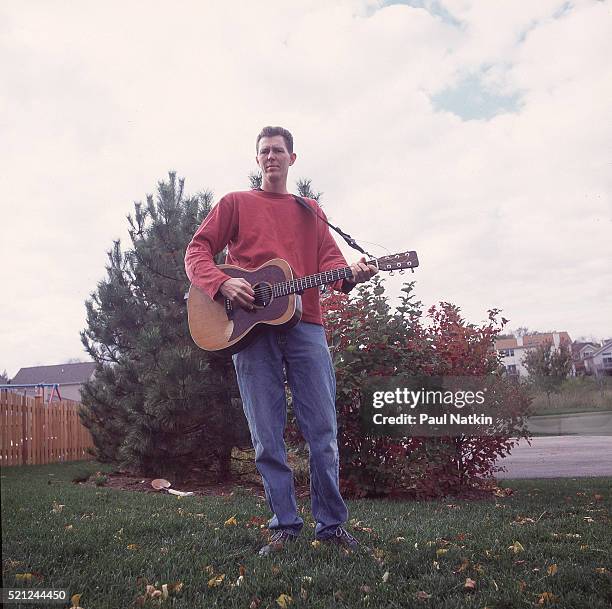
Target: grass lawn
{"points": [[548, 544]]}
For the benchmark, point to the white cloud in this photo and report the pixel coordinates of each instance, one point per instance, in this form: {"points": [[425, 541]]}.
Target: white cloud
{"points": [[101, 100]]}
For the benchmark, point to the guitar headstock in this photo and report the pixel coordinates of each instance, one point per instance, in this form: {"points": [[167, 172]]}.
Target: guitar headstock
{"points": [[396, 262]]}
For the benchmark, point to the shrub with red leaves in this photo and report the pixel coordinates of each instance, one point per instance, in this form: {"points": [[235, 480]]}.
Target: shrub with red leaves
{"points": [[368, 340]]}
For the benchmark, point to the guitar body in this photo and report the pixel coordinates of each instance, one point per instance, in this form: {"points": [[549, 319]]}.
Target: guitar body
{"points": [[216, 325]]}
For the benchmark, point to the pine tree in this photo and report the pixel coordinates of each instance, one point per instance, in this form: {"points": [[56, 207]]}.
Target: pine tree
{"points": [[158, 405]]}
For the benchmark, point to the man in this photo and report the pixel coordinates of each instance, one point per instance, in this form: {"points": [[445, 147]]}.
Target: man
{"points": [[256, 226]]}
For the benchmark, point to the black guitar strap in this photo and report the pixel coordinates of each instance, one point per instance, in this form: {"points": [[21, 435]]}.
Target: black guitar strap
{"points": [[344, 235]]}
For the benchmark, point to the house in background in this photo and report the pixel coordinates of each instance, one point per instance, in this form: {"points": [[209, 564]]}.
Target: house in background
{"points": [[580, 351], [599, 362], [69, 377], [513, 350]]}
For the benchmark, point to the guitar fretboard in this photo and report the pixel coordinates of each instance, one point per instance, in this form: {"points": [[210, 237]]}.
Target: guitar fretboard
{"points": [[311, 281]]}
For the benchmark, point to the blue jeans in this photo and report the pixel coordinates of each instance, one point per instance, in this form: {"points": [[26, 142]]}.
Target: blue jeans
{"points": [[304, 354]]}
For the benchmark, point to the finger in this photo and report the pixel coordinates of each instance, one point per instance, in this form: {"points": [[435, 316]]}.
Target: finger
{"points": [[247, 286]]}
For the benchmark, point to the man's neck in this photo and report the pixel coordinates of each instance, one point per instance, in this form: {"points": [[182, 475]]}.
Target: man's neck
{"points": [[279, 188]]}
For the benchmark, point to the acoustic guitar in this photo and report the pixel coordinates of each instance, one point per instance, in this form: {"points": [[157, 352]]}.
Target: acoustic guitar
{"points": [[217, 325]]}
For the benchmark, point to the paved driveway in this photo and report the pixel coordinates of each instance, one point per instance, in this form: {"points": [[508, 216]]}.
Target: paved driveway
{"points": [[559, 457]]}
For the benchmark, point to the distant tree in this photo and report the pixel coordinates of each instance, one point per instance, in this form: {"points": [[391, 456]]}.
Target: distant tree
{"points": [[304, 187], [158, 404], [548, 367], [522, 331], [255, 179], [4, 379]]}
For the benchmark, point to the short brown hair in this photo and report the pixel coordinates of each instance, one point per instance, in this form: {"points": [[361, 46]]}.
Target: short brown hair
{"points": [[271, 132]]}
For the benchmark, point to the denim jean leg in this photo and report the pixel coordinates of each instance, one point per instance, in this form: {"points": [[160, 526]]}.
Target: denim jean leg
{"points": [[259, 369], [313, 386]]}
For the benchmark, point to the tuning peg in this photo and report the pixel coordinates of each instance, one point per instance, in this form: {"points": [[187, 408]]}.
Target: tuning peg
{"points": [[390, 273]]}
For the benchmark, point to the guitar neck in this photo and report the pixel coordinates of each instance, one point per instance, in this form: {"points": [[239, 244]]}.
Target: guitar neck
{"points": [[312, 281]]}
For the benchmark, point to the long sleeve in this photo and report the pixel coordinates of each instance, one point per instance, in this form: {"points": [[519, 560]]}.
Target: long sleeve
{"points": [[215, 232]]}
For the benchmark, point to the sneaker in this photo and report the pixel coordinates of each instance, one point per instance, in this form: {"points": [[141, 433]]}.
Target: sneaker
{"points": [[343, 538], [277, 542]]}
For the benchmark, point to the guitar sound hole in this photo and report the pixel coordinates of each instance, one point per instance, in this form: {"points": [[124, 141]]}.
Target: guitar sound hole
{"points": [[263, 294]]}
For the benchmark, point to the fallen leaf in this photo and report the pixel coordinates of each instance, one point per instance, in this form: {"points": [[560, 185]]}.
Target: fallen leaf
{"points": [[385, 577], [601, 570], [441, 551], [276, 569], [552, 569], [522, 520], [546, 597], [422, 595], [75, 599], [516, 547], [240, 580], [283, 601], [307, 579], [255, 602], [215, 581], [465, 563], [470, 584], [23, 577], [316, 543], [399, 539], [132, 546], [522, 585], [231, 522], [68, 527], [242, 570], [57, 507], [598, 497], [436, 565], [303, 593], [365, 589]]}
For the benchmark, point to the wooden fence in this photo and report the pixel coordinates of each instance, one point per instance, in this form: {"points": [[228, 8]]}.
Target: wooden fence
{"points": [[34, 432]]}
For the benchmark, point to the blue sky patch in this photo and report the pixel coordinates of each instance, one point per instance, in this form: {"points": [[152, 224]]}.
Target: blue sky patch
{"points": [[435, 7], [471, 100]]}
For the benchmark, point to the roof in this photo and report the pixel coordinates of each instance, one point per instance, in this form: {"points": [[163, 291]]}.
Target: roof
{"points": [[505, 343], [532, 340], [535, 340], [577, 347], [604, 347], [64, 374]]}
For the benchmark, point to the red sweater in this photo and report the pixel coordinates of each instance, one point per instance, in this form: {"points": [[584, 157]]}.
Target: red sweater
{"points": [[257, 226]]}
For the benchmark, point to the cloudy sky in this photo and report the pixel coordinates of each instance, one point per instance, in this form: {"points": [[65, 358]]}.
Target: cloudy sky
{"points": [[477, 132]]}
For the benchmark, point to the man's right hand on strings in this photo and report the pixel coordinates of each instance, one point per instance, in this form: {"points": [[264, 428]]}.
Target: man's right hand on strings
{"points": [[239, 291]]}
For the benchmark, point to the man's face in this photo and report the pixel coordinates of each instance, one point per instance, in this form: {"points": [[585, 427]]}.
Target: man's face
{"points": [[273, 158]]}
